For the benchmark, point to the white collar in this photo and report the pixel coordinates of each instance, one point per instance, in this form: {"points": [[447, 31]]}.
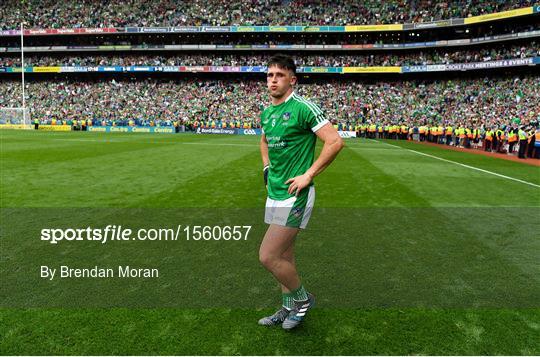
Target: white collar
{"points": [[289, 97]]}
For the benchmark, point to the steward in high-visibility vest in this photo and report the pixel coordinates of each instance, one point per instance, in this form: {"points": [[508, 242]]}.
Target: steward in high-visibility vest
{"points": [[537, 143], [468, 136], [448, 134], [363, 129], [440, 131], [522, 143], [422, 132], [432, 132], [372, 129], [512, 140], [512, 137], [530, 143], [488, 139], [476, 136]]}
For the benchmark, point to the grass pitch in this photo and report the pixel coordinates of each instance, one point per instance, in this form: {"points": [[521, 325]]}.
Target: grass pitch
{"points": [[406, 253]]}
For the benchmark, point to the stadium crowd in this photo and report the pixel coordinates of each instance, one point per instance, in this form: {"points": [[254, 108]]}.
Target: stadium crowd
{"points": [[106, 13], [327, 60], [489, 100], [147, 102], [475, 105]]}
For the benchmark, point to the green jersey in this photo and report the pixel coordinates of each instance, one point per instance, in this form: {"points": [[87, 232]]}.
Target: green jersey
{"points": [[290, 132]]}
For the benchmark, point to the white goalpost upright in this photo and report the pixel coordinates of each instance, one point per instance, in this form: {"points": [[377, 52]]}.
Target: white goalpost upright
{"points": [[17, 117], [22, 73]]}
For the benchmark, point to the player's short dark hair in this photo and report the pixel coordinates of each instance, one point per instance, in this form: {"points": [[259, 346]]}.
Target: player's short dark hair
{"points": [[283, 62]]}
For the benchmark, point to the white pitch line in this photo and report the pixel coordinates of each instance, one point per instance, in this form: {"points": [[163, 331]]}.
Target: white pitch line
{"points": [[358, 148], [464, 165]]}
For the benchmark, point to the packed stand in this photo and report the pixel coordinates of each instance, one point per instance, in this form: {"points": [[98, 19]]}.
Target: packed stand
{"points": [[145, 103], [495, 112], [326, 60], [102, 13]]}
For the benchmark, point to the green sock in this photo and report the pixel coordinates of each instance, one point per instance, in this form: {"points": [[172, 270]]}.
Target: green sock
{"points": [[288, 302], [299, 294]]}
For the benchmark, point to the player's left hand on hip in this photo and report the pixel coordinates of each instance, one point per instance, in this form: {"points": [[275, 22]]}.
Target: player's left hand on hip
{"points": [[298, 183]]}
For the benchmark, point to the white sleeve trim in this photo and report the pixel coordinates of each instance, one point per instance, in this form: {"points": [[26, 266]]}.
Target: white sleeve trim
{"points": [[320, 125], [262, 130]]}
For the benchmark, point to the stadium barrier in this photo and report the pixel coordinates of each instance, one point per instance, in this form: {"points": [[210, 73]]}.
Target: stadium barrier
{"points": [[347, 134], [171, 130], [255, 131], [516, 62], [228, 29], [499, 15], [47, 127], [229, 131], [14, 126], [208, 47], [215, 131], [131, 129]]}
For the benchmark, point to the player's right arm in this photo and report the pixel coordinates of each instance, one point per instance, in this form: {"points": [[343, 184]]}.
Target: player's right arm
{"points": [[265, 159], [264, 151]]}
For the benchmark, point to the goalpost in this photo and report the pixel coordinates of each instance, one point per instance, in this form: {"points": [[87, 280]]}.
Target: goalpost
{"points": [[17, 118]]}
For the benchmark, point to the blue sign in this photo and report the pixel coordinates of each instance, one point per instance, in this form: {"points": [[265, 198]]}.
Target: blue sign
{"points": [[256, 69], [249, 131], [215, 131], [109, 69], [132, 129], [229, 131]]}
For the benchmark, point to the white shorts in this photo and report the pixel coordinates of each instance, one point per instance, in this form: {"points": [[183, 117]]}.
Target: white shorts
{"points": [[292, 212]]}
